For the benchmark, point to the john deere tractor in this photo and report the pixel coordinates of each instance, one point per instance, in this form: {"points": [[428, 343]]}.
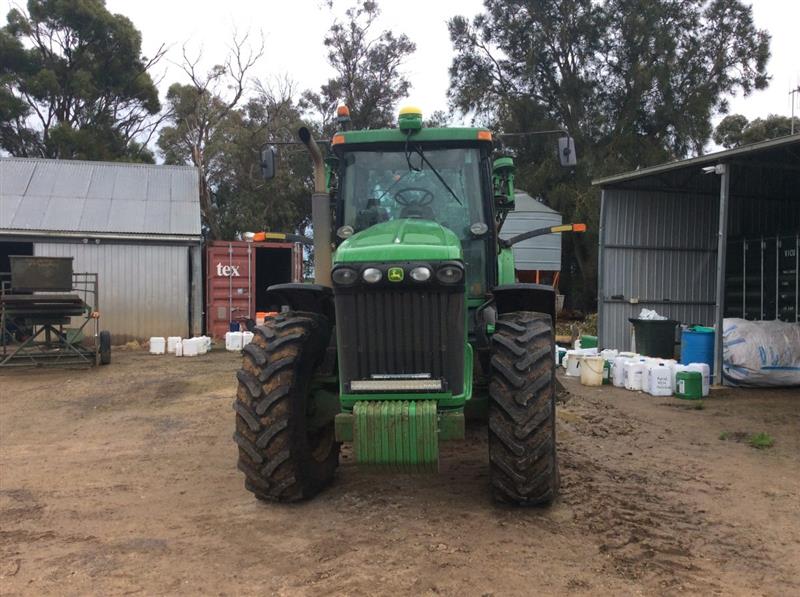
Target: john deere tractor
{"points": [[414, 317]]}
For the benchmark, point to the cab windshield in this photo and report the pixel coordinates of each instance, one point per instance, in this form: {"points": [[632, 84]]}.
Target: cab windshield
{"points": [[442, 185]]}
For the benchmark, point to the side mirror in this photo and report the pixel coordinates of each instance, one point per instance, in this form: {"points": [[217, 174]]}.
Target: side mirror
{"points": [[267, 162], [503, 182], [566, 151]]}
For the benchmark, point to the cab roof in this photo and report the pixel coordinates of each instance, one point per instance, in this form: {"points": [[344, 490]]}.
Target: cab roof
{"points": [[478, 135]]}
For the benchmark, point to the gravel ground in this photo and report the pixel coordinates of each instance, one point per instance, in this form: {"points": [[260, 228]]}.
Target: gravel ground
{"points": [[122, 480]]}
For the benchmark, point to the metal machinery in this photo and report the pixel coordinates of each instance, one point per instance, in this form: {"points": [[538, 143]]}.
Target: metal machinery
{"points": [[49, 315], [414, 318]]}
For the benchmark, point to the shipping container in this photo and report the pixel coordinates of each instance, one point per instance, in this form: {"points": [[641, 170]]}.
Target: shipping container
{"points": [[238, 274]]}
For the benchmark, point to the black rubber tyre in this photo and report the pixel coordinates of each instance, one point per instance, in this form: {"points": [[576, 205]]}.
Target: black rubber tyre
{"points": [[105, 347], [281, 459], [522, 423]]}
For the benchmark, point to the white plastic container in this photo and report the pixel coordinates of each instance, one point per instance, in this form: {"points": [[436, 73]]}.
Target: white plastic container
{"points": [[618, 372], [179, 348], [157, 345], [247, 338], [207, 342], [705, 371], [171, 342], [202, 347], [592, 370], [573, 363], [661, 379], [609, 354], [191, 347], [633, 375], [648, 362], [233, 341]]}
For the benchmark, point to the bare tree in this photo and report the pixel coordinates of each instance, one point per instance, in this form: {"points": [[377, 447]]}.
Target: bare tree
{"points": [[200, 109]]}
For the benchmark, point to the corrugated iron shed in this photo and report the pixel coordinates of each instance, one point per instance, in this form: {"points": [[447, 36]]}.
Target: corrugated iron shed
{"points": [[667, 238], [65, 196]]}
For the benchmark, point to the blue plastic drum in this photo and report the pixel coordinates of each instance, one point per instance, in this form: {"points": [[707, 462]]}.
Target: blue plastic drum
{"points": [[697, 345]]}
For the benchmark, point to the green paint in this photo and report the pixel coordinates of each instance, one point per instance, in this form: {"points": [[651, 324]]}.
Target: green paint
{"points": [[400, 240], [396, 435], [323, 407], [423, 135], [505, 267], [411, 121], [503, 171], [343, 425], [451, 424]]}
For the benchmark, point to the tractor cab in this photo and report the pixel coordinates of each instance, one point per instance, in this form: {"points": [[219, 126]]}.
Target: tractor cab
{"points": [[408, 179]]}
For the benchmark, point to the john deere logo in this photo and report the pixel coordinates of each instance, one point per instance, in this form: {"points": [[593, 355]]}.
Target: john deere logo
{"points": [[395, 274]]}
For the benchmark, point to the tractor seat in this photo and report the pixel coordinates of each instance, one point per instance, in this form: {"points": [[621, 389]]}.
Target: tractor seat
{"points": [[370, 216]]}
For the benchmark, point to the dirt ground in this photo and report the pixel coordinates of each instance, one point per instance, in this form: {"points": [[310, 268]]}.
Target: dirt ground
{"points": [[122, 480]]}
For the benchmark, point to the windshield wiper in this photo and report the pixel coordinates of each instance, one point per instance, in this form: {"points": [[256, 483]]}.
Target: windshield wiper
{"points": [[418, 151]]}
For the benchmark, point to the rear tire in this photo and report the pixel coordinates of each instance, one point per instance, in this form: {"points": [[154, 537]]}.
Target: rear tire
{"points": [[522, 423], [282, 459]]}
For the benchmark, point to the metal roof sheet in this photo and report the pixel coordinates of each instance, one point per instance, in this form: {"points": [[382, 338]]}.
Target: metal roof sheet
{"points": [[98, 197], [708, 159]]}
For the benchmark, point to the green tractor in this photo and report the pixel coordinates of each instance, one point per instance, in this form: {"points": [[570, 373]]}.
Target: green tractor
{"points": [[414, 317]]}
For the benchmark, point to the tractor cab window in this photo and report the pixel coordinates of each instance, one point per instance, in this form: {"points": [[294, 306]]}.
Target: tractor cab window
{"points": [[442, 185]]}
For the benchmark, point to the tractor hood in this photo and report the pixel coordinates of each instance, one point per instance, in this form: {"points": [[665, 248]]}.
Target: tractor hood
{"points": [[401, 240]]}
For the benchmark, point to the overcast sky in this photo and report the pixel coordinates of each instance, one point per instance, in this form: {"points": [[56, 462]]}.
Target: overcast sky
{"points": [[294, 29]]}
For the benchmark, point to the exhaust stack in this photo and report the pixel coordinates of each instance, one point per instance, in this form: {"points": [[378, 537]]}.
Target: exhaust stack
{"points": [[320, 213]]}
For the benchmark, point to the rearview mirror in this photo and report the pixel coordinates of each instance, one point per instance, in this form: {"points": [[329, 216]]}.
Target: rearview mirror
{"points": [[267, 162], [566, 151]]}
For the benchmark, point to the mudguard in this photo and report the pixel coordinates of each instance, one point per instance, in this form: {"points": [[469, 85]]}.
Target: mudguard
{"points": [[303, 297], [539, 298]]}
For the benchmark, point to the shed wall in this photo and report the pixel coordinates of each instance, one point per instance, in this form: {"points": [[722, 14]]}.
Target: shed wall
{"points": [[659, 250], [144, 289]]}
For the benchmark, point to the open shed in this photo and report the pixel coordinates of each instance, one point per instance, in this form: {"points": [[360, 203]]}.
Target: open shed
{"points": [[702, 239]]}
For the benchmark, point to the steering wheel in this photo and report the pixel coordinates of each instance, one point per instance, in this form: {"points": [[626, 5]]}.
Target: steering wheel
{"points": [[425, 197]]}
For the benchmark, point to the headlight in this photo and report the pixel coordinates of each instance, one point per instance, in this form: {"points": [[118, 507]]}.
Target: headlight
{"points": [[421, 274], [344, 276], [372, 275], [449, 274]]}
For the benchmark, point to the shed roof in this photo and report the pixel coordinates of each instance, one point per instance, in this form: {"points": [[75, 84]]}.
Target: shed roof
{"points": [[779, 150], [48, 197], [523, 202]]}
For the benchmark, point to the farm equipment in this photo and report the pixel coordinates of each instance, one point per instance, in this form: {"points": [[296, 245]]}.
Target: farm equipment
{"points": [[46, 314], [414, 317]]}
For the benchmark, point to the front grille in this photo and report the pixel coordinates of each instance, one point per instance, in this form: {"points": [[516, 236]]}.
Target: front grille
{"points": [[401, 331]]}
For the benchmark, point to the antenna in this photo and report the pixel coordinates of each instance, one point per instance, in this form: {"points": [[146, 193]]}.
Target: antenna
{"points": [[792, 92]]}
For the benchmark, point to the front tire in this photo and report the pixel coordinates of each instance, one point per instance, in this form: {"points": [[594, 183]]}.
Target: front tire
{"points": [[283, 460], [105, 347], [522, 423]]}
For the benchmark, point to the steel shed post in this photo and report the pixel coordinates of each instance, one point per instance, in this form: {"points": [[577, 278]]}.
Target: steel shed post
{"points": [[722, 247], [196, 298], [600, 289]]}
